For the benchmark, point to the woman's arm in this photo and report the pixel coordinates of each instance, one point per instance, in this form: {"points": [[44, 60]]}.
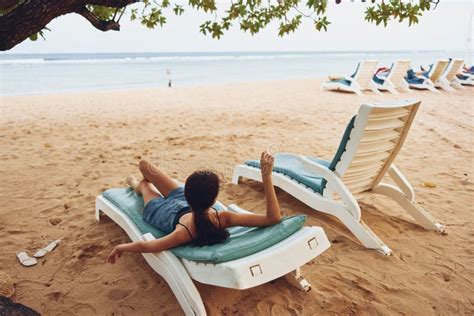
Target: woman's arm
{"points": [[176, 238], [272, 215], [266, 167]]}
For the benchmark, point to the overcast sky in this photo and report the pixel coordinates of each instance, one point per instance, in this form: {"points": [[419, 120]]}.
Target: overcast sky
{"points": [[444, 28]]}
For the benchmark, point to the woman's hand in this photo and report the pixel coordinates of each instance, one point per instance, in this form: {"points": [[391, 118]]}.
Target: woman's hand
{"points": [[266, 163], [115, 253]]}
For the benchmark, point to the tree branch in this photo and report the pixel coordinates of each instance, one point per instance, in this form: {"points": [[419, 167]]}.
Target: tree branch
{"points": [[31, 16], [111, 3], [96, 22], [6, 4]]}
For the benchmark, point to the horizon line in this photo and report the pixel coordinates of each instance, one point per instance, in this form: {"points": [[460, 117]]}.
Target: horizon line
{"points": [[246, 52]]}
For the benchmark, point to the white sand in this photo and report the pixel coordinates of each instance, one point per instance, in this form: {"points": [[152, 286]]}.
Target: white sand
{"points": [[58, 152]]}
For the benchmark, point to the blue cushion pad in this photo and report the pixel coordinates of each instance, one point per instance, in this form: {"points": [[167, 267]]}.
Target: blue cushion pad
{"points": [[378, 80], [290, 166], [242, 242], [343, 81]]}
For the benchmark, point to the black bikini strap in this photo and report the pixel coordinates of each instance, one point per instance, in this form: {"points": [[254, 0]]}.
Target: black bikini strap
{"points": [[217, 214], [189, 232]]}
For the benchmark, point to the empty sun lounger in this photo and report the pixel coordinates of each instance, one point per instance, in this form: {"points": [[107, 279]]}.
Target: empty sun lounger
{"points": [[466, 76], [249, 257], [435, 74], [360, 80], [449, 80], [370, 143], [419, 82], [465, 79], [395, 79]]}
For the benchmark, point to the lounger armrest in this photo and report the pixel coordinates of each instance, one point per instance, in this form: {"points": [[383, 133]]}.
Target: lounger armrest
{"points": [[335, 183]]}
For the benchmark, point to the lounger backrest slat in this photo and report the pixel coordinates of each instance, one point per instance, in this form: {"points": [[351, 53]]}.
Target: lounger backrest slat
{"points": [[365, 72], [455, 67], [438, 70], [398, 71], [378, 133]]}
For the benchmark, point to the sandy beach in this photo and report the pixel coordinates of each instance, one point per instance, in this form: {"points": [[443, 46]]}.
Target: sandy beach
{"points": [[58, 152]]}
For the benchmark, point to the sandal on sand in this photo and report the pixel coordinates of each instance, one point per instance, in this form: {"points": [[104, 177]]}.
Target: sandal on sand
{"points": [[26, 260], [42, 252]]}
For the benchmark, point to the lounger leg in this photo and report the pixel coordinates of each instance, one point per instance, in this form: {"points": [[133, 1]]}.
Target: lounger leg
{"points": [[430, 85], [404, 195], [405, 87], [357, 91], [358, 228], [174, 273], [432, 89], [373, 87], [418, 213], [393, 90], [296, 279], [389, 86], [97, 214], [365, 235], [444, 84], [356, 88], [456, 84], [235, 177]]}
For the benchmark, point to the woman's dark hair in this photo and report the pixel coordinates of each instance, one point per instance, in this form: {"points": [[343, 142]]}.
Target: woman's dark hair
{"points": [[201, 191]]}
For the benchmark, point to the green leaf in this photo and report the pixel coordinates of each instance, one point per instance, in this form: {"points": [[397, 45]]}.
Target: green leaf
{"points": [[34, 37]]}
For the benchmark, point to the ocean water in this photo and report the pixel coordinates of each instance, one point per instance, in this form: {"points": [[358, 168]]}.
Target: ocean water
{"points": [[27, 74]]}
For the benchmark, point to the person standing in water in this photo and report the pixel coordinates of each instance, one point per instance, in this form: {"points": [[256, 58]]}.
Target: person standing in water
{"points": [[168, 74]]}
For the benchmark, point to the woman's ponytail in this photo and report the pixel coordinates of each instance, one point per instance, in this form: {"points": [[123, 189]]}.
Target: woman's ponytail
{"points": [[201, 190]]}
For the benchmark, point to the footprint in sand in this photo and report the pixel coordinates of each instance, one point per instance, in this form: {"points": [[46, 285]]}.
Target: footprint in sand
{"points": [[92, 278], [84, 309], [55, 221], [55, 296], [144, 284], [8, 157], [89, 252], [49, 210], [118, 294], [15, 232], [272, 308], [76, 217], [95, 235]]}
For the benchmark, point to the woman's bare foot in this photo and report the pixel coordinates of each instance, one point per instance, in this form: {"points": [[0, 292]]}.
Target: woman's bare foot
{"points": [[134, 183]]}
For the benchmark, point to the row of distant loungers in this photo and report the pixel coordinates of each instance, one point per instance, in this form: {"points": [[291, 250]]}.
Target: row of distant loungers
{"points": [[447, 75]]}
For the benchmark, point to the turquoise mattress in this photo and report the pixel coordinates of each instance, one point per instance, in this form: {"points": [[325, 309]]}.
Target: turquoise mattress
{"points": [[290, 165], [243, 241]]}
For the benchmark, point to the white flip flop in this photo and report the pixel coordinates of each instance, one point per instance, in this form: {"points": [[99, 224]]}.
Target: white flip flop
{"points": [[25, 259], [42, 252]]}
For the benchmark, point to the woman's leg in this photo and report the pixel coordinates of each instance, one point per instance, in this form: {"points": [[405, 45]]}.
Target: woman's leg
{"points": [[164, 183], [147, 190]]}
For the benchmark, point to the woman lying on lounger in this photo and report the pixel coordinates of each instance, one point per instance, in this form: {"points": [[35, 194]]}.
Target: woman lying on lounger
{"points": [[186, 214]]}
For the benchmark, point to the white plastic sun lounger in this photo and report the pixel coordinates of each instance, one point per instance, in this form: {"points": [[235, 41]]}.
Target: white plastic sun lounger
{"points": [[448, 80], [465, 79], [395, 80], [366, 153], [419, 82], [466, 76], [435, 74], [282, 259], [359, 81]]}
